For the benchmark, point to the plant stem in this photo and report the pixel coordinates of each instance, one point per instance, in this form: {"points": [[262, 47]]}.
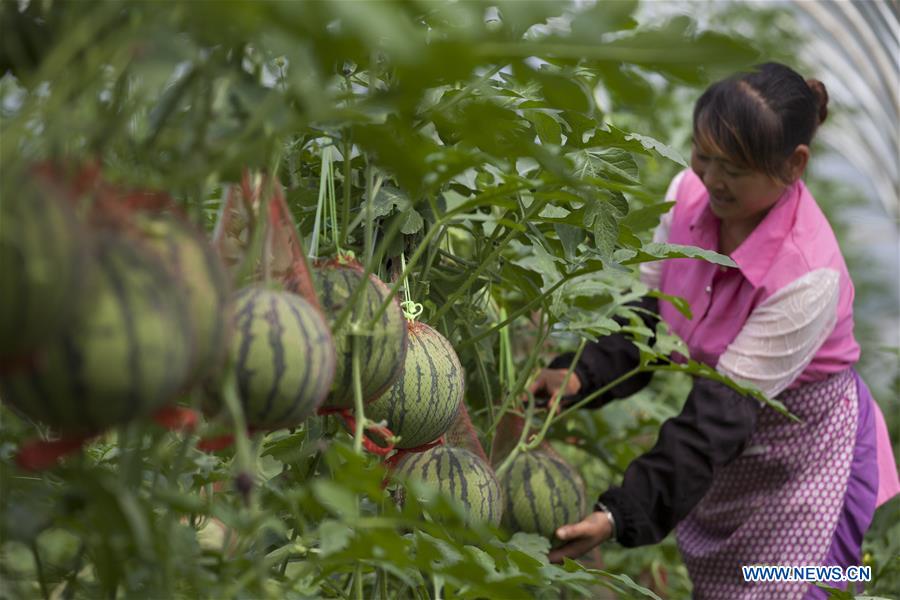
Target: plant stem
{"points": [[39, 567], [243, 455], [602, 390], [257, 243], [358, 582], [527, 307], [555, 400], [430, 234], [372, 187], [524, 374], [348, 175], [287, 557], [321, 215], [488, 261], [357, 392], [383, 584], [523, 435]]}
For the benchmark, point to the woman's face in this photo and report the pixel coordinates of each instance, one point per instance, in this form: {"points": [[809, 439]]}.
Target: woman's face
{"points": [[735, 193]]}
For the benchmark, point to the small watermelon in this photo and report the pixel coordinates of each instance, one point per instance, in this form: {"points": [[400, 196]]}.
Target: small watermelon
{"points": [[459, 474], [543, 492], [199, 271], [383, 348], [423, 402], [283, 356], [43, 258], [125, 353]]}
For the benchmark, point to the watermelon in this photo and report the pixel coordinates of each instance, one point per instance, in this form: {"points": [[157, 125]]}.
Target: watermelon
{"points": [[124, 354], [195, 266], [283, 357], [543, 492], [459, 474], [423, 402], [383, 348], [43, 257]]}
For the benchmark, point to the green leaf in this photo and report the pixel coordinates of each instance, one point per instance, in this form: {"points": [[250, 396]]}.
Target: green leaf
{"points": [[527, 563], [675, 50], [600, 217], [517, 17], [413, 223], [627, 237], [649, 143], [622, 579], [680, 304], [646, 217], [334, 536], [553, 212], [603, 17], [548, 129], [532, 544], [564, 92], [185, 503], [610, 135], [288, 449], [537, 259], [387, 199], [656, 251], [336, 498], [613, 163], [626, 87], [571, 237]]}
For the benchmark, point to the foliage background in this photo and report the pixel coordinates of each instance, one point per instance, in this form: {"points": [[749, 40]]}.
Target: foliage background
{"points": [[183, 99]]}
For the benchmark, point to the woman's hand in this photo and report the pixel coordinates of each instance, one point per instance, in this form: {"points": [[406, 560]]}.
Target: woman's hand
{"points": [[581, 537], [549, 383]]}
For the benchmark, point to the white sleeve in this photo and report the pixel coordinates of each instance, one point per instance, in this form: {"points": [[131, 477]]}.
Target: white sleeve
{"points": [[783, 334], [651, 272]]}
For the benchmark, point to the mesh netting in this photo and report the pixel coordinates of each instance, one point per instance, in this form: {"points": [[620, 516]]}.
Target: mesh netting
{"points": [[462, 434], [282, 257]]}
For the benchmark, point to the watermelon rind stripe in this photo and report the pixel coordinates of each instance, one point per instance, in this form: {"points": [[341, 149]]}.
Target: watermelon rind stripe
{"points": [[283, 355], [135, 378], [543, 492], [460, 475], [244, 322], [276, 346]]}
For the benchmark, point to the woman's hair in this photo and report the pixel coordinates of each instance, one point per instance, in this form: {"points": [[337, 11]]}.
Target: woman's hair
{"points": [[757, 119]]}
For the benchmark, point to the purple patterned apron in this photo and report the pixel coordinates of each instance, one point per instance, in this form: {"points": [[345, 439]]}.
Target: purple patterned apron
{"points": [[800, 494]]}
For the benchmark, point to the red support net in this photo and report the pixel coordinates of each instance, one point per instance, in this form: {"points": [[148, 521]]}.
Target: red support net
{"points": [[462, 434], [283, 258], [370, 445]]}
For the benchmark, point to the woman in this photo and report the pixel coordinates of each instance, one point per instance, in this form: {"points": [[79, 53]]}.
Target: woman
{"points": [[741, 484]]}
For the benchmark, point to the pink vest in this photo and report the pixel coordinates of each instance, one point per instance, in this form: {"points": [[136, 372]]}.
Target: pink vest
{"points": [[793, 239]]}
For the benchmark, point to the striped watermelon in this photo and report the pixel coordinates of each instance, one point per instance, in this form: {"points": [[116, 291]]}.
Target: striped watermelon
{"points": [[383, 348], [193, 263], [43, 256], [423, 402], [125, 353], [459, 474], [543, 492], [283, 357]]}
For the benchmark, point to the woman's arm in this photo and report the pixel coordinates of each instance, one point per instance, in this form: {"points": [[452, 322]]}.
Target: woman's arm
{"points": [[662, 486], [784, 333], [607, 359], [778, 341]]}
